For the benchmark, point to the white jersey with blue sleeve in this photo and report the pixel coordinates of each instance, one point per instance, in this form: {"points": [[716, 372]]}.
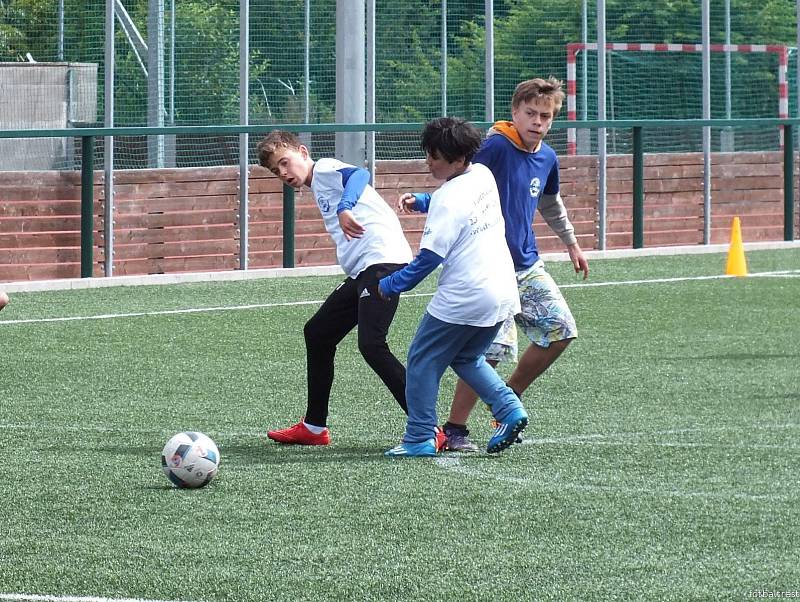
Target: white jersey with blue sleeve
{"points": [[383, 240], [477, 286]]}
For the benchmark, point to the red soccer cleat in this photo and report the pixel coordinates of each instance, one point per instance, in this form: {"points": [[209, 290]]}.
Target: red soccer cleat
{"points": [[441, 439], [300, 435]]}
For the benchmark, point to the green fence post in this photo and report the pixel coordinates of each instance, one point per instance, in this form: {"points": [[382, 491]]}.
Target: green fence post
{"points": [[638, 188], [788, 182], [288, 226], [87, 205]]}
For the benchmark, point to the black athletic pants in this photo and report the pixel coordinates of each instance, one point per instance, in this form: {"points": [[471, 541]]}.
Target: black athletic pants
{"points": [[355, 302]]}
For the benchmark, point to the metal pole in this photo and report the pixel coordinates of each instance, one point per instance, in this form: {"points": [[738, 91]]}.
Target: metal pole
{"points": [[584, 135], [797, 63], [307, 62], [351, 87], [788, 183], [706, 19], [489, 67], [727, 133], [585, 64], [155, 80], [244, 139], [288, 226], [60, 30], [444, 57], [602, 168], [108, 144], [728, 106], [371, 88], [172, 63], [87, 205], [638, 188]]}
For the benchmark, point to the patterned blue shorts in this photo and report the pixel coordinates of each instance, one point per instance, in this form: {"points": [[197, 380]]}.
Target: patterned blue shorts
{"points": [[545, 315]]}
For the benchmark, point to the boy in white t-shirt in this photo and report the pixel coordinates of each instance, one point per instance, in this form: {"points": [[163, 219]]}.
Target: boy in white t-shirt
{"points": [[477, 289], [370, 244]]}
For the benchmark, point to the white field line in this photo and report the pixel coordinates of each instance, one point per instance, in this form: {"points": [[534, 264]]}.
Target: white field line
{"points": [[331, 270], [75, 428], [453, 463], [196, 310], [620, 438], [547, 483], [50, 598]]}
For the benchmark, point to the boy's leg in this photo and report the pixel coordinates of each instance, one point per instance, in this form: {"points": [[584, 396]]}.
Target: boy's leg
{"points": [[546, 320], [433, 348], [534, 362], [337, 316], [548, 323], [506, 407], [471, 366], [375, 315], [502, 348]]}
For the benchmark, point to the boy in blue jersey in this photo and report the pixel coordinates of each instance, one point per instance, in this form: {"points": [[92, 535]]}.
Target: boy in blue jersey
{"points": [[526, 171], [370, 244], [464, 234]]}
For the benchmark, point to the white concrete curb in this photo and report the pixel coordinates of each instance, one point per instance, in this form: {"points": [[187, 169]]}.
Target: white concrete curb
{"points": [[332, 270]]}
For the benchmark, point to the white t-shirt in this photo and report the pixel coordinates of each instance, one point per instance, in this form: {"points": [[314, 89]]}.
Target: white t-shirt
{"points": [[477, 285], [383, 240]]}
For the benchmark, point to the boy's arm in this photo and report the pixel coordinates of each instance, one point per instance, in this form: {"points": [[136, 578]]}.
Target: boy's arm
{"points": [[410, 202], [552, 208], [355, 180], [411, 275], [422, 201]]}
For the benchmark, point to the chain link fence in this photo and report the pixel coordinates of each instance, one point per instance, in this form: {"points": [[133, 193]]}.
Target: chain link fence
{"points": [[177, 62]]}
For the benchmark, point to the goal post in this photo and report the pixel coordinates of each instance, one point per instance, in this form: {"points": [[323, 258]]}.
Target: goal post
{"points": [[573, 49]]}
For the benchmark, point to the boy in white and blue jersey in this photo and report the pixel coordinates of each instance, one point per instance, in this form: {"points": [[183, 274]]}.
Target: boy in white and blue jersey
{"points": [[370, 244], [464, 233]]}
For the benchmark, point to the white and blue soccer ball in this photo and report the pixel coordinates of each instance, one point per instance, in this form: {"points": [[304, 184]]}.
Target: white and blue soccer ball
{"points": [[190, 460]]}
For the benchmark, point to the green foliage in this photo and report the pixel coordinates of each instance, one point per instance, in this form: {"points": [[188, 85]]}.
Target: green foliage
{"points": [[26, 27], [530, 38]]}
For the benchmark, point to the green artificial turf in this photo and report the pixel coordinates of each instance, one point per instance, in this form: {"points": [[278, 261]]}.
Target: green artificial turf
{"points": [[661, 462]]}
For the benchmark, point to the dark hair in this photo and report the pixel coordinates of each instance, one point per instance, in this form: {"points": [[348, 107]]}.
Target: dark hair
{"points": [[451, 138]]}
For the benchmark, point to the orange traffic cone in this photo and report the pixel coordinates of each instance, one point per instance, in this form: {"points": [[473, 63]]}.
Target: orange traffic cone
{"points": [[737, 264]]}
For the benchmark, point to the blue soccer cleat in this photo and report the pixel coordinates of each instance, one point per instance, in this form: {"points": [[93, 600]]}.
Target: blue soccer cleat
{"points": [[507, 431], [413, 450]]}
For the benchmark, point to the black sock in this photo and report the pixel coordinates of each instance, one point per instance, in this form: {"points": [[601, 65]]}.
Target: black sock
{"points": [[460, 429], [517, 393]]}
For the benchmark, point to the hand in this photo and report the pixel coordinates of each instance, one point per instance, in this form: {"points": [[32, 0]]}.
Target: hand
{"points": [[351, 228], [578, 260], [380, 291], [406, 203]]}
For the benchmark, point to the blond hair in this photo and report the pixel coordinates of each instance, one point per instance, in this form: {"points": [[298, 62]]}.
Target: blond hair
{"points": [[539, 88], [273, 141]]}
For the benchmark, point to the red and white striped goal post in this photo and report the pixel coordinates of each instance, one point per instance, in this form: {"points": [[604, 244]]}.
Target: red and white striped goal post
{"points": [[574, 48]]}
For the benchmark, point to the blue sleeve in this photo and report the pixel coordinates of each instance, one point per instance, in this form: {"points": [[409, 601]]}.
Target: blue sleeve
{"points": [[422, 200], [411, 275], [355, 180]]}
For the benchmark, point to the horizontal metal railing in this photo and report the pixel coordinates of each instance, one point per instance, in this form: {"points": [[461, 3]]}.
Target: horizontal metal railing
{"points": [[88, 135]]}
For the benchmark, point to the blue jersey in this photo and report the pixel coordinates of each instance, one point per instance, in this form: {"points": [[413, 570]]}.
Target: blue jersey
{"points": [[522, 177]]}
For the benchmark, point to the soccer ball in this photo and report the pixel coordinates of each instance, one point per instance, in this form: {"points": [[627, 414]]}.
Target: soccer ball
{"points": [[190, 460]]}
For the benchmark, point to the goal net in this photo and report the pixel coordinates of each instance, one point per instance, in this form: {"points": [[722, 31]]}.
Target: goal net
{"points": [[665, 81]]}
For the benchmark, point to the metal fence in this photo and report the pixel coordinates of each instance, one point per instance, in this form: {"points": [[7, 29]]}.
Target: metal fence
{"points": [[225, 62]]}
